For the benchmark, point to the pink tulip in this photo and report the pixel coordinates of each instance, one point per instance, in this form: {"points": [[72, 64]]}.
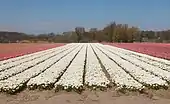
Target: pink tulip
{"points": [[160, 50]]}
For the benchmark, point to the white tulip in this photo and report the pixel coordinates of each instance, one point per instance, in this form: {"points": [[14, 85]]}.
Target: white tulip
{"points": [[94, 75], [136, 72], [117, 74], [16, 82], [50, 76], [73, 77]]}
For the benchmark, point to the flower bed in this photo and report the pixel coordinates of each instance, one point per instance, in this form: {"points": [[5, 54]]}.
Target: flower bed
{"points": [[77, 66], [153, 49], [16, 49]]}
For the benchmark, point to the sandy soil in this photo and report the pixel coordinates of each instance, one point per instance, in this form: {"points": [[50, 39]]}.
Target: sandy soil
{"points": [[110, 96]]}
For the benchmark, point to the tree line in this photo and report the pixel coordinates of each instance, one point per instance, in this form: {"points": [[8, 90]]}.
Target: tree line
{"points": [[113, 32], [122, 33]]}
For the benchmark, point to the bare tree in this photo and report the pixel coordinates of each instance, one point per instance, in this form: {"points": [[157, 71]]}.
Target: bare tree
{"points": [[112, 31], [79, 31], [93, 31]]}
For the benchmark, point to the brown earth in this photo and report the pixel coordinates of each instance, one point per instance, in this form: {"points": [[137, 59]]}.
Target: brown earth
{"points": [[110, 96]]}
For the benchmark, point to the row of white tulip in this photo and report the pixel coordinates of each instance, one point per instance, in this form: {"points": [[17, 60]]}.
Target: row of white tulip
{"points": [[73, 77], [164, 61], [152, 62], [94, 75], [158, 62], [20, 68], [30, 58], [51, 75], [20, 57], [142, 76], [150, 68], [18, 81], [15, 59], [117, 74]]}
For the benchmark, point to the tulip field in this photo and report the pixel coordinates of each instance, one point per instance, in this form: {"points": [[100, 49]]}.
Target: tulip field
{"points": [[12, 50], [160, 50], [77, 66]]}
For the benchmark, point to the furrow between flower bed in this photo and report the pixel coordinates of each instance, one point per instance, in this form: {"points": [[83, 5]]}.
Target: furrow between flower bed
{"points": [[15, 83], [144, 66], [47, 79], [102, 66], [142, 76], [23, 67], [31, 58], [72, 79], [117, 75], [85, 62]]}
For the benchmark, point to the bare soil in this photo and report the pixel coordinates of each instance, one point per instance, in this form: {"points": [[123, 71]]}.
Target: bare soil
{"points": [[111, 96]]}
